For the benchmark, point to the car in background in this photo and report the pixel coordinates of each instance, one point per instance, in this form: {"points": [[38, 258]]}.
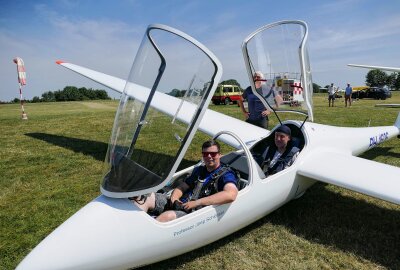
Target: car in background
{"points": [[225, 94], [372, 92], [379, 93], [359, 93]]}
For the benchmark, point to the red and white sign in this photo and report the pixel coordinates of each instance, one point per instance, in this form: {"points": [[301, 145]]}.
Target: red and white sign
{"points": [[297, 92]]}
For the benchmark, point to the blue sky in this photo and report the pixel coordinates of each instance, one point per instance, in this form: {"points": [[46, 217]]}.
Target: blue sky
{"points": [[105, 35]]}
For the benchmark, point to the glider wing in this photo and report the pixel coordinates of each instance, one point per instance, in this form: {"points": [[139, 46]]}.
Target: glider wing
{"points": [[396, 69], [361, 175], [212, 122]]}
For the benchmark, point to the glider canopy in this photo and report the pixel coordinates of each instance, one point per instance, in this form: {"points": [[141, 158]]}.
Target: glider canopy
{"points": [[147, 145], [277, 53]]}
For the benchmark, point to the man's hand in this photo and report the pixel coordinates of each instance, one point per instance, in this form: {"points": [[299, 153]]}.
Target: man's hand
{"points": [[245, 113], [178, 192], [191, 204], [265, 113], [177, 205]]}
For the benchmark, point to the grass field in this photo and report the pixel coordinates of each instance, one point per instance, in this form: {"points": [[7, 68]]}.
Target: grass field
{"points": [[51, 165]]}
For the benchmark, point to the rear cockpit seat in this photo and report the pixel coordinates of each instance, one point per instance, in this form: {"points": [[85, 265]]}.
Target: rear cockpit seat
{"points": [[238, 163]]}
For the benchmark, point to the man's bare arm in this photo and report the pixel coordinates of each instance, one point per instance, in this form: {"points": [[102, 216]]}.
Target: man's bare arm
{"points": [[227, 195]]}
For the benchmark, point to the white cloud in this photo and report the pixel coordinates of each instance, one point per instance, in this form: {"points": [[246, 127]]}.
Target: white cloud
{"points": [[108, 46]]}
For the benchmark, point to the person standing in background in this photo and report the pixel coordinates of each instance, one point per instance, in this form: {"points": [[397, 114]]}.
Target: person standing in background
{"points": [[331, 93], [257, 113], [347, 96]]}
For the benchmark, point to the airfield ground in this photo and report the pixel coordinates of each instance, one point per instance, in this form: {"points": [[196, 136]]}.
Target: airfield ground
{"points": [[51, 164]]}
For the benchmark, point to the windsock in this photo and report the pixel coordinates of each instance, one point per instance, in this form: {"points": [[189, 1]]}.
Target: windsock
{"points": [[20, 70], [22, 81]]}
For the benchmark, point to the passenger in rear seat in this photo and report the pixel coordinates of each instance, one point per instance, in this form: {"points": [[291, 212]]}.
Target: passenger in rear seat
{"points": [[281, 154]]}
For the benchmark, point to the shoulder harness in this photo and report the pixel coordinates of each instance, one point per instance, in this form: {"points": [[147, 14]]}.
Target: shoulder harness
{"points": [[281, 163], [209, 185]]}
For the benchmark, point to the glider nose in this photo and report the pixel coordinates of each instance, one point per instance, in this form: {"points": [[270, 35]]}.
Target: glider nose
{"points": [[93, 238]]}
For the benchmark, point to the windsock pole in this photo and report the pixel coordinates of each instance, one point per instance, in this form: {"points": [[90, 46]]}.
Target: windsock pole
{"points": [[21, 100], [21, 81]]}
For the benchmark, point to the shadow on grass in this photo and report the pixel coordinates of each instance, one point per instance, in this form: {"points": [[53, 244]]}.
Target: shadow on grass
{"points": [[87, 147], [324, 217], [93, 148], [380, 151], [355, 226]]}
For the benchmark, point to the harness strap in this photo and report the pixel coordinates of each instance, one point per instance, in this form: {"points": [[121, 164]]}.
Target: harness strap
{"points": [[140, 199], [202, 183], [269, 155]]}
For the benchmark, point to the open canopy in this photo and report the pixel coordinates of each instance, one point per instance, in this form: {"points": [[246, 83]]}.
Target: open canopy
{"points": [[177, 75], [277, 52]]}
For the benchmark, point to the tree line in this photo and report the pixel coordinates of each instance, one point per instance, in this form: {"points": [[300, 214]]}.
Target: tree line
{"points": [[69, 93], [380, 78], [376, 78]]}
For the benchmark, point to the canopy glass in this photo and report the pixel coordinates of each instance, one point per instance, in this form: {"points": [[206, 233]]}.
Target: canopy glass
{"points": [[165, 97]]}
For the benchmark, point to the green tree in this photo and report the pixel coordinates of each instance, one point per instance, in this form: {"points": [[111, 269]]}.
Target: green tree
{"points": [[101, 94], [59, 95], [316, 88], [182, 93], [232, 82], [396, 84], [86, 93], [48, 96], [71, 93], [376, 77], [393, 81], [35, 99], [175, 93]]}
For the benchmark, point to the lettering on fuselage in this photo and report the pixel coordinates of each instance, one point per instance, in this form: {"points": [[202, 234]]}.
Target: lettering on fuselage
{"points": [[199, 223], [375, 140]]}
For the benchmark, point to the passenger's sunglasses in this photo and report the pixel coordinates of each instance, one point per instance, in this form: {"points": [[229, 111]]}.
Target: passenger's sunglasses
{"points": [[212, 154]]}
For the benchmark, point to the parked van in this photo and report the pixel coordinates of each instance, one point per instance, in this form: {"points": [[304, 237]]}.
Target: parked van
{"points": [[225, 94]]}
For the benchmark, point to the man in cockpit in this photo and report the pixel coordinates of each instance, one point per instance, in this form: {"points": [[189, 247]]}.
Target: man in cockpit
{"points": [[281, 154], [208, 184]]}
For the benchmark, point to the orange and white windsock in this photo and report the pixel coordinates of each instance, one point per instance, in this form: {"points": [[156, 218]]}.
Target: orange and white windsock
{"points": [[20, 70]]}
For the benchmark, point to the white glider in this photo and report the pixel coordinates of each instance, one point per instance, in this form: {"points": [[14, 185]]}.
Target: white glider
{"points": [[112, 233]]}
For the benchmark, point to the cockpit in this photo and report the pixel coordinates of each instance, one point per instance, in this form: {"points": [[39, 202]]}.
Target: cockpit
{"points": [[238, 160], [166, 97]]}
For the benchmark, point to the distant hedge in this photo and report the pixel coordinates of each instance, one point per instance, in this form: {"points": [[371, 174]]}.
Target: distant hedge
{"points": [[72, 93], [69, 93]]}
